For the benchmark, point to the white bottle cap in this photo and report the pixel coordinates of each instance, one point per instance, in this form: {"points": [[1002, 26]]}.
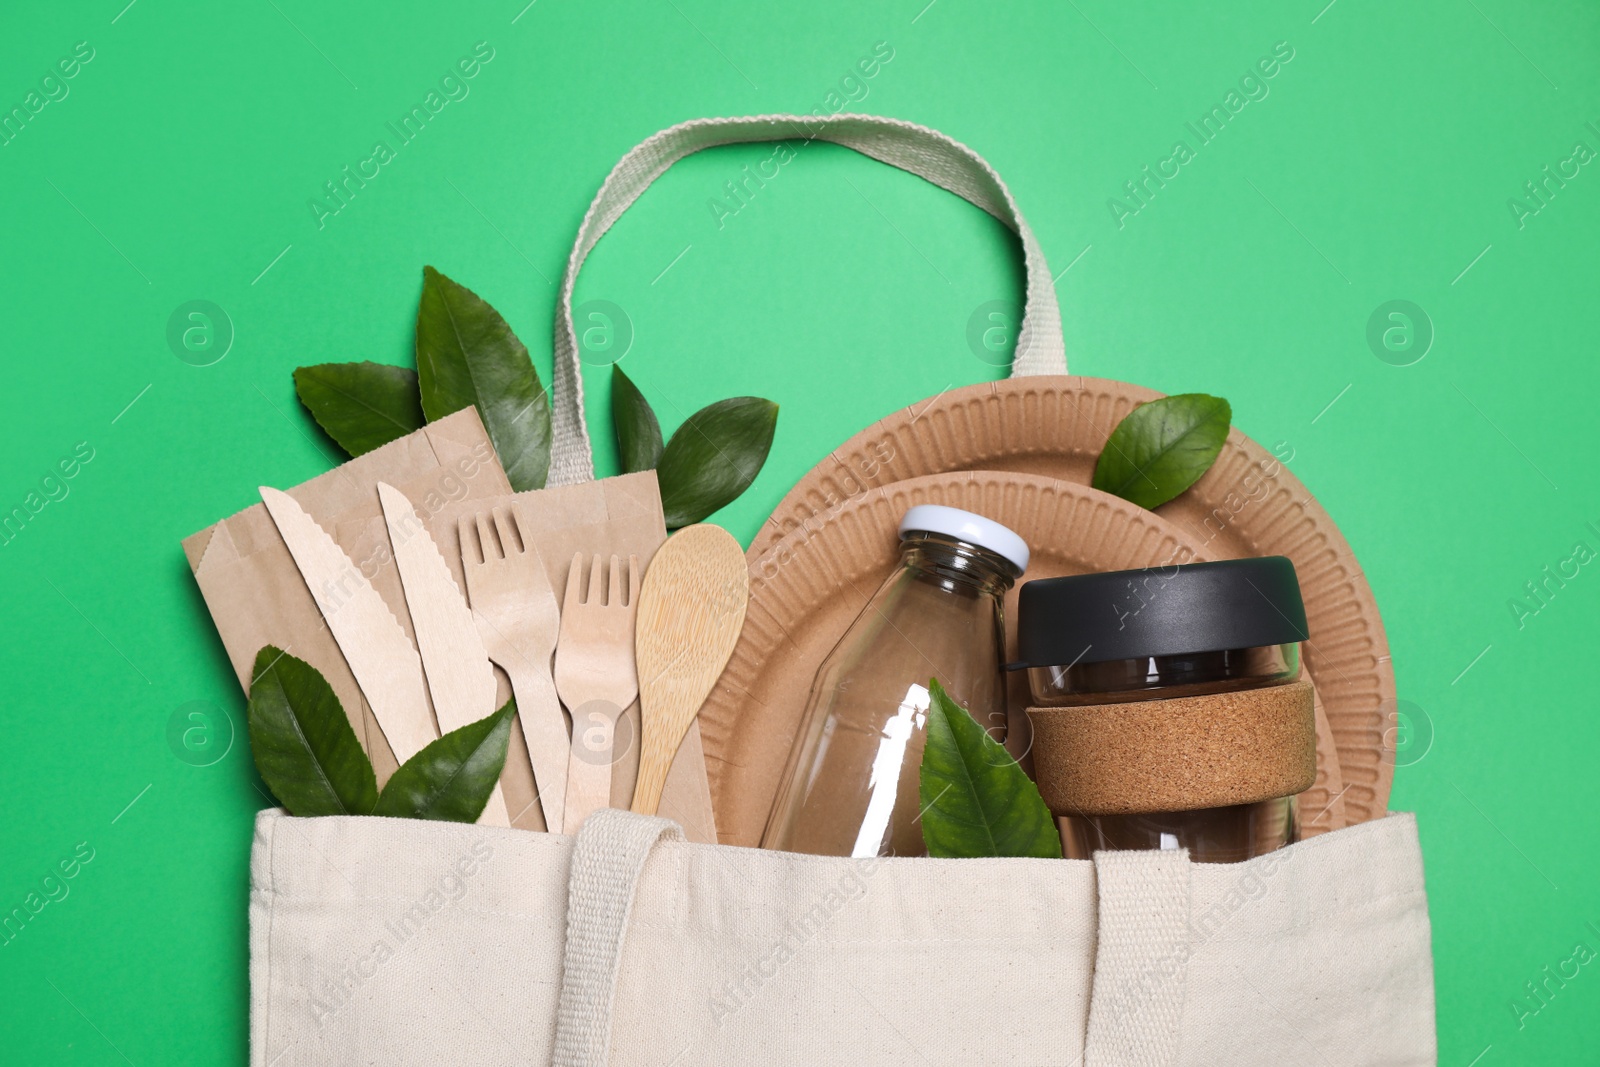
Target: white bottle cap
{"points": [[965, 526]]}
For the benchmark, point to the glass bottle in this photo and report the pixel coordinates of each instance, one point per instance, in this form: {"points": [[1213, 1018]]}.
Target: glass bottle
{"points": [[851, 787]]}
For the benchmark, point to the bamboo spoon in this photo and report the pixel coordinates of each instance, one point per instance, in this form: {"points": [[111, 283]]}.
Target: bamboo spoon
{"points": [[691, 609]]}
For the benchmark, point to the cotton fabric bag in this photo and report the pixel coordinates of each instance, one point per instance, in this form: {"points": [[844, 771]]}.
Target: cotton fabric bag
{"points": [[396, 942], [402, 942]]}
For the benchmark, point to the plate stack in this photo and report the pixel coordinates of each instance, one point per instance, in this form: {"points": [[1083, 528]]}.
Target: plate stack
{"points": [[1022, 452]]}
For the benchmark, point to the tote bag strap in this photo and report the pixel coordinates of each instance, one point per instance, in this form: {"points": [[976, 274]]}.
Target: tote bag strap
{"points": [[607, 860], [1141, 959], [941, 160]]}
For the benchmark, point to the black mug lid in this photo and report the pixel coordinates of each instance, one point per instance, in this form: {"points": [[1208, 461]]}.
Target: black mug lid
{"points": [[1159, 611]]}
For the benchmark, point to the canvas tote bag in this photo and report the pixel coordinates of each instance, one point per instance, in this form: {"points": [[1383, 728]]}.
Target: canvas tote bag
{"points": [[399, 942]]}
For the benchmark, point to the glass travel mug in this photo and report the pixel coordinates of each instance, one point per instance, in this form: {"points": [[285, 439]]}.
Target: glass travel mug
{"points": [[1167, 711]]}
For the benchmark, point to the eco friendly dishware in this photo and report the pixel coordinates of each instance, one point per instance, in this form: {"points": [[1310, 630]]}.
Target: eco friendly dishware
{"points": [[518, 620], [611, 516], [460, 677], [620, 515], [595, 675], [380, 655], [1168, 714], [810, 587], [1248, 504], [691, 609], [851, 784]]}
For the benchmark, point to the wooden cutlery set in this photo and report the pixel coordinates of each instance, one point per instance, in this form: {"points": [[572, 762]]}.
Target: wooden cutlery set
{"points": [[608, 678]]}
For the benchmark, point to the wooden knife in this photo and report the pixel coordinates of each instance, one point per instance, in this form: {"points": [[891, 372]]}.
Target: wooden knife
{"points": [[460, 678]]}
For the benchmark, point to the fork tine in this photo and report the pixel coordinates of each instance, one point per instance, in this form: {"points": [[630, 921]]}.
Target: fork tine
{"points": [[634, 579], [491, 544], [597, 583], [574, 596], [471, 551], [505, 525], [614, 589]]}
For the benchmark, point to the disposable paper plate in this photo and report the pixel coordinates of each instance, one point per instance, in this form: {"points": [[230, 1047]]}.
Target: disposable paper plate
{"points": [[810, 585], [1248, 504]]}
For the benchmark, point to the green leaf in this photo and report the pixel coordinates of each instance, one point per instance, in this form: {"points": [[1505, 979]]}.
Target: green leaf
{"points": [[361, 405], [976, 800], [638, 432], [714, 456], [302, 742], [1163, 447], [452, 778], [466, 354]]}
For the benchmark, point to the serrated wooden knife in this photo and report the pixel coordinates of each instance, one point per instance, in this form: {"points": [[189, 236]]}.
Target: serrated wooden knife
{"points": [[460, 678], [385, 665]]}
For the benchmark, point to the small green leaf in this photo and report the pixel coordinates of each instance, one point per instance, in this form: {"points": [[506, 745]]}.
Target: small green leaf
{"points": [[638, 432], [714, 456], [452, 778], [976, 800], [361, 405], [467, 354], [302, 742], [1163, 447]]}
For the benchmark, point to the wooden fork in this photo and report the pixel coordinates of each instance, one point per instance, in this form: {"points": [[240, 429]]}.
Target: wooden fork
{"points": [[518, 620], [595, 676]]}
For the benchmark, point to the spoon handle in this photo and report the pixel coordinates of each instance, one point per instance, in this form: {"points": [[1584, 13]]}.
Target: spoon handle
{"points": [[655, 759]]}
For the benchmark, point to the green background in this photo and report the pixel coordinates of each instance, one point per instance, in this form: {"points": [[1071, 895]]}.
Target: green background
{"points": [[1379, 166]]}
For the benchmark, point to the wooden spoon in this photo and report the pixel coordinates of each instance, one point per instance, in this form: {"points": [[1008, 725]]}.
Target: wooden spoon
{"points": [[691, 609]]}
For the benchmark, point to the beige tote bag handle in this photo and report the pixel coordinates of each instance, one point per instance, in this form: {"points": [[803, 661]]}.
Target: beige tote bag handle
{"points": [[607, 859], [1141, 958], [1140, 968], [943, 161]]}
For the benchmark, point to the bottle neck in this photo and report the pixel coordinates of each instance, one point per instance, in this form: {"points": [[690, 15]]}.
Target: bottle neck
{"points": [[956, 566]]}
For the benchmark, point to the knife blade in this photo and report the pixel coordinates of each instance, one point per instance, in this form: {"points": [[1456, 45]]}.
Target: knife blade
{"points": [[459, 675], [385, 665]]}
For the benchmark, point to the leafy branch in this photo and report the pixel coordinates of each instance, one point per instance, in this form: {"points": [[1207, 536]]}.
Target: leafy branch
{"points": [[468, 354], [711, 458], [309, 757]]}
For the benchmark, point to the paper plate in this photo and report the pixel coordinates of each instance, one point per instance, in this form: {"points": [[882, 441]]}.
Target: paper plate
{"points": [[809, 587], [1248, 504]]}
